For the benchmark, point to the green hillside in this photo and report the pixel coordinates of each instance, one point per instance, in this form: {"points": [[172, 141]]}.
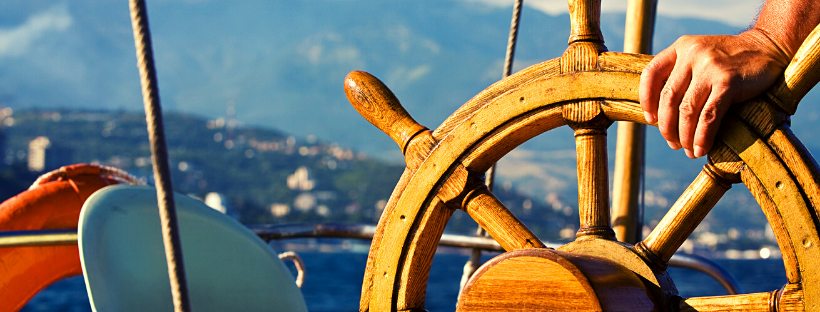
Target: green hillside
{"points": [[260, 171]]}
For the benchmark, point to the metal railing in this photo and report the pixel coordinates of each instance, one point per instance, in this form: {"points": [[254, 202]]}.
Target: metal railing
{"points": [[363, 232]]}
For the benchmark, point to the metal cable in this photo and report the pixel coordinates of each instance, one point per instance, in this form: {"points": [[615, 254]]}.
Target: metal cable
{"points": [[159, 155], [512, 39], [475, 257], [300, 266]]}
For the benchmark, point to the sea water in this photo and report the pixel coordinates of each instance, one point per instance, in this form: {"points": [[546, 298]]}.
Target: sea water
{"points": [[333, 282]]}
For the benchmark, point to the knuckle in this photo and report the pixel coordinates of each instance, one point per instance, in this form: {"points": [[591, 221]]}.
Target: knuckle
{"points": [[668, 92], [710, 114], [688, 109], [725, 78], [653, 66]]}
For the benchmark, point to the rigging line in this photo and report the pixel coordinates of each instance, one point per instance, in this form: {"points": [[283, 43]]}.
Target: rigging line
{"points": [[512, 39], [159, 156], [475, 257]]}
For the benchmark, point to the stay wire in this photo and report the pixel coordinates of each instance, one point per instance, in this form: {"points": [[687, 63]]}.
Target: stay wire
{"points": [[159, 156], [475, 257]]}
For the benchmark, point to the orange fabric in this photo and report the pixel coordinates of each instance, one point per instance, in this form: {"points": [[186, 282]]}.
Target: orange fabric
{"points": [[24, 271]]}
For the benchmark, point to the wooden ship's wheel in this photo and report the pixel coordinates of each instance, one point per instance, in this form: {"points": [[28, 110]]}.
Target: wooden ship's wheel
{"points": [[587, 88]]}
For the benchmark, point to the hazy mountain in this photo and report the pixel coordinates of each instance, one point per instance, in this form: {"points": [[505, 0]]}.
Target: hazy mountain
{"points": [[282, 63]]}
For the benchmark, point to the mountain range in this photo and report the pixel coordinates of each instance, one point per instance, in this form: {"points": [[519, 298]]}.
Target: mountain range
{"points": [[281, 64]]}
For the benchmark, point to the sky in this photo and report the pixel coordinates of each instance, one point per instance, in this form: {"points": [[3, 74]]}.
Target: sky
{"points": [[734, 12], [742, 13], [17, 41]]}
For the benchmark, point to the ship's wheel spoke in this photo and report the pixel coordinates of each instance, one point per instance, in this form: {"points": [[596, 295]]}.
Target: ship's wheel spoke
{"points": [[444, 174], [788, 298], [467, 191], [499, 222], [593, 183], [692, 206]]}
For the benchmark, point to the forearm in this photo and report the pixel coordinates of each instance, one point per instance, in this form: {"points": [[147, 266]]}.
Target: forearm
{"points": [[788, 22]]}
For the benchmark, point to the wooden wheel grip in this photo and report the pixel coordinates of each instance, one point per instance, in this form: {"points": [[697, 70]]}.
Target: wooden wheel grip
{"points": [[376, 103], [585, 16], [800, 76]]}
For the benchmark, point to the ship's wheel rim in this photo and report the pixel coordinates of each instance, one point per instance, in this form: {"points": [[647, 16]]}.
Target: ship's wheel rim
{"points": [[615, 86]]}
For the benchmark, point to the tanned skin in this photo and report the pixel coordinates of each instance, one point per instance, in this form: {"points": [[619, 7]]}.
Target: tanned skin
{"points": [[688, 87]]}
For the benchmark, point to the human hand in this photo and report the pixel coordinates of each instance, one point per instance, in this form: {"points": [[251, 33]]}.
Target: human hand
{"points": [[689, 86]]}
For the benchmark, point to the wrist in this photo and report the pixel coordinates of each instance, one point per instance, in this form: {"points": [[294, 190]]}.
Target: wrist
{"points": [[769, 44]]}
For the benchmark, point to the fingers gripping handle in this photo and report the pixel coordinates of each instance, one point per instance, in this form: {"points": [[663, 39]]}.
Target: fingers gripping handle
{"points": [[376, 103], [585, 16], [801, 75]]}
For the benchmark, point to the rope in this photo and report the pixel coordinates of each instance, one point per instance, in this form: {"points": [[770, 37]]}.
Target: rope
{"points": [[513, 38], [159, 155], [475, 257], [300, 266], [104, 171]]}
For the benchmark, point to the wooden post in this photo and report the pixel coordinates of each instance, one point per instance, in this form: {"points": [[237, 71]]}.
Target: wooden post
{"points": [[593, 183], [627, 187], [585, 16]]}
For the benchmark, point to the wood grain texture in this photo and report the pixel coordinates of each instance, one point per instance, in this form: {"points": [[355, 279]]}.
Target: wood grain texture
{"points": [[376, 103], [760, 115], [790, 298], [640, 26], [492, 116], [787, 299], [757, 302], [503, 140], [522, 280], [498, 221], [696, 201], [798, 159], [375, 243], [511, 109], [623, 62], [593, 183], [590, 124], [466, 190], [776, 221], [628, 182], [379, 106], [418, 148], [604, 88], [416, 267], [585, 16], [685, 215], [788, 198], [629, 151], [621, 110], [581, 56], [544, 70], [658, 282], [800, 76]]}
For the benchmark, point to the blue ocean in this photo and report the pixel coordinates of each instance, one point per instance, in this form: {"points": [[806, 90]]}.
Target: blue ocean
{"points": [[333, 282]]}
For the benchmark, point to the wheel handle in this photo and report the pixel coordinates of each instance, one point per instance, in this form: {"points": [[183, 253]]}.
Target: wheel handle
{"points": [[376, 103], [800, 76], [585, 16]]}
